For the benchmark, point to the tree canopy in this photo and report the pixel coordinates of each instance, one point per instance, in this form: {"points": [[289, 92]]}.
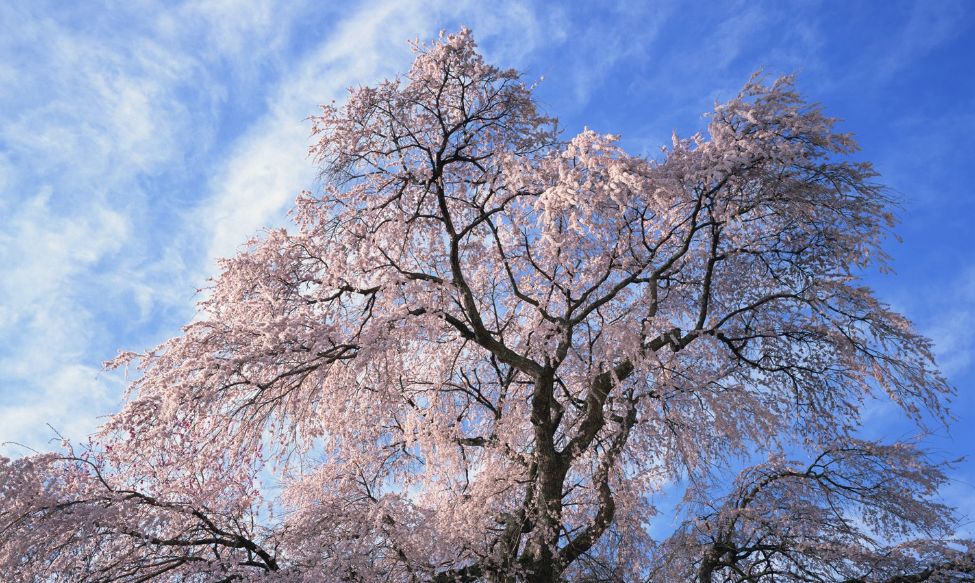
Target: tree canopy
{"points": [[483, 348]]}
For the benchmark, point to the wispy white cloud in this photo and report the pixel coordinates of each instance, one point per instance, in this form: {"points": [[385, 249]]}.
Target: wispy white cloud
{"points": [[516, 30], [75, 129], [44, 323], [67, 402], [268, 165], [950, 322], [929, 25], [116, 109], [84, 131], [598, 48]]}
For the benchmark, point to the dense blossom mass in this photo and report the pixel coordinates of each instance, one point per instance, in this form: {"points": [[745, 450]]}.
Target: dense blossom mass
{"points": [[483, 349]]}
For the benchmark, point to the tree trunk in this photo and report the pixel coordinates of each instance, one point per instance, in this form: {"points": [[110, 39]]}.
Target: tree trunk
{"points": [[541, 553]]}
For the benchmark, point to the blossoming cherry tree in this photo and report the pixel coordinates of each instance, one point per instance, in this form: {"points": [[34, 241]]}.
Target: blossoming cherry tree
{"points": [[483, 349]]}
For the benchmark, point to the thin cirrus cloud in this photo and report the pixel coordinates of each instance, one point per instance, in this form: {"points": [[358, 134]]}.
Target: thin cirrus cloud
{"points": [[90, 249], [269, 165], [84, 123], [142, 143]]}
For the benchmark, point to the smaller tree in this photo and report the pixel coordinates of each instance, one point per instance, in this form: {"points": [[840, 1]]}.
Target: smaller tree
{"points": [[483, 349], [847, 516]]}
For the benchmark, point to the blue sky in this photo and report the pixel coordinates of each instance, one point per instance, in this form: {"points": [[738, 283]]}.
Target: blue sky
{"points": [[141, 140]]}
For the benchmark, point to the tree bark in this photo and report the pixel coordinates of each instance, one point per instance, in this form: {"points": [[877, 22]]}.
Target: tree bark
{"points": [[541, 553]]}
